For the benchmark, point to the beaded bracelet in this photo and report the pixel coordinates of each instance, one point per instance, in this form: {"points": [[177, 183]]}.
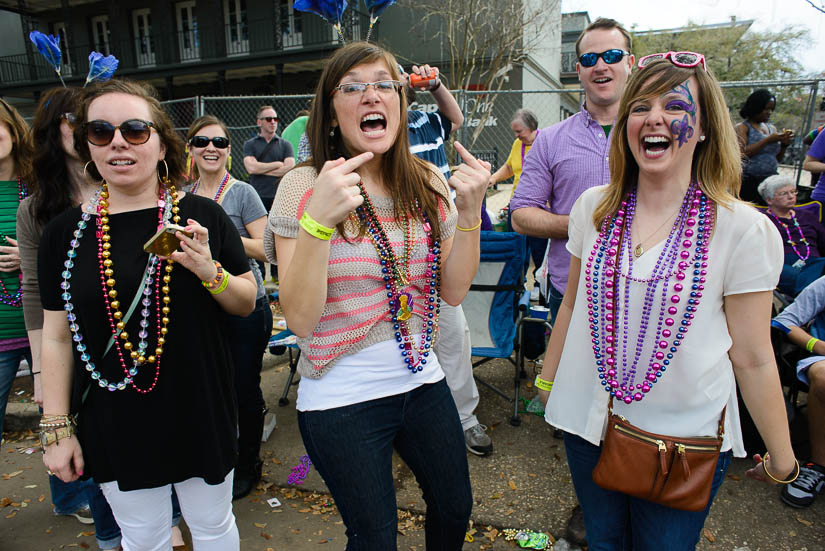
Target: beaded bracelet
{"points": [[474, 228], [215, 282], [543, 384], [220, 288], [809, 346], [314, 228], [765, 467]]}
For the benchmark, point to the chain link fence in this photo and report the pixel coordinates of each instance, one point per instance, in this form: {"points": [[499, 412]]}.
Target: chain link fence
{"points": [[486, 130]]}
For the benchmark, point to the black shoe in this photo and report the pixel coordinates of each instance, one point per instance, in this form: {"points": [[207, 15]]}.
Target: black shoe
{"points": [[244, 483], [803, 491], [575, 531]]}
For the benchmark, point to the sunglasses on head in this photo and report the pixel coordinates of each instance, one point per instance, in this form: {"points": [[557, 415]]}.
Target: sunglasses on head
{"points": [[680, 59], [610, 57], [134, 131], [202, 141], [268, 119]]}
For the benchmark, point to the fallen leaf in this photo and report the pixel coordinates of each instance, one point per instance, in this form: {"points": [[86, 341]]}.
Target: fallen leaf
{"points": [[84, 545], [85, 534], [260, 525], [5, 502], [41, 498], [11, 475], [805, 522], [30, 486], [295, 530], [12, 514], [323, 541], [304, 510], [532, 475], [734, 477], [491, 535], [266, 536], [276, 460], [509, 512], [512, 484], [708, 535]]}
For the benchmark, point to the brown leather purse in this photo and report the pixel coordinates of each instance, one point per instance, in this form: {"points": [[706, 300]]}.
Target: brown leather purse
{"points": [[669, 470]]}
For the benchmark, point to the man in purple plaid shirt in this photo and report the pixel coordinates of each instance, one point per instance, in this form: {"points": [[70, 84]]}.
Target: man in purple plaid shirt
{"points": [[571, 156]]}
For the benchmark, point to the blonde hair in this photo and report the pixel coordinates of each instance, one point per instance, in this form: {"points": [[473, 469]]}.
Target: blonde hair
{"points": [[716, 161], [21, 150]]}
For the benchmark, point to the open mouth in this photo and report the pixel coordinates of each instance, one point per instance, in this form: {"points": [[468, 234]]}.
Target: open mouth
{"points": [[210, 158], [121, 162], [655, 146], [373, 124], [602, 80]]}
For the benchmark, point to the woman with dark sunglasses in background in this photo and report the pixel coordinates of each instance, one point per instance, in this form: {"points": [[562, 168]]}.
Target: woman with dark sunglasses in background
{"points": [[210, 150], [140, 357], [762, 145]]}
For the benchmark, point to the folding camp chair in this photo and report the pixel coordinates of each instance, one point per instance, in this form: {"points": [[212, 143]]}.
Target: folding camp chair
{"points": [[495, 307], [814, 207], [280, 343]]}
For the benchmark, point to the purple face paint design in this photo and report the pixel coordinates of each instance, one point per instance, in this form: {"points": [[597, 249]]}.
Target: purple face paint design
{"points": [[682, 130]]}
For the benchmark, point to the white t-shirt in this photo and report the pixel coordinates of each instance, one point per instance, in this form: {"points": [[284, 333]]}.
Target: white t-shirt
{"points": [[745, 255], [374, 372]]}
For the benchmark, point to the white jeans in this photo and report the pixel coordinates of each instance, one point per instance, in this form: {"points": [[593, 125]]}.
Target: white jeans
{"points": [[145, 516], [454, 352]]}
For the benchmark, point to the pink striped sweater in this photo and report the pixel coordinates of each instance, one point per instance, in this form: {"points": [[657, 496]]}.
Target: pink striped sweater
{"points": [[356, 314]]}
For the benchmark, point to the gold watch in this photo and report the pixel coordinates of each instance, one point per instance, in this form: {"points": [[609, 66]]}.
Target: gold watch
{"points": [[49, 437]]}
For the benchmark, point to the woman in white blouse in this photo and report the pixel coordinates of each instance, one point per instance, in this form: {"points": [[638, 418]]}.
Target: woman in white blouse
{"points": [[657, 317]]}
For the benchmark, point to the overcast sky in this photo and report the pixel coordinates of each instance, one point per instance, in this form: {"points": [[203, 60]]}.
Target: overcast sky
{"points": [[768, 14]]}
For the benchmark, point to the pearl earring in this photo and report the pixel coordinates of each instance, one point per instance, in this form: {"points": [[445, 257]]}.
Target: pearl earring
{"points": [[702, 138]]}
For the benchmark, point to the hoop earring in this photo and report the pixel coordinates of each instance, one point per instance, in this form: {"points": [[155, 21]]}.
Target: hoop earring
{"points": [[189, 164], [165, 178], [85, 171]]}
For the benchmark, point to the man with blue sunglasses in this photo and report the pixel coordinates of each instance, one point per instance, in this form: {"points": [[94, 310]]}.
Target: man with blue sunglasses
{"points": [[570, 157]]}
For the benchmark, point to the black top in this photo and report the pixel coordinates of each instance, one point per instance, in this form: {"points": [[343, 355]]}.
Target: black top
{"points": [[259, 148], [811, 228], [185, 427]]}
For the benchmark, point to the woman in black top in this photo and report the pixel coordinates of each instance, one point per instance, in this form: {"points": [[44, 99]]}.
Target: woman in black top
{"points": [[151, 370]]}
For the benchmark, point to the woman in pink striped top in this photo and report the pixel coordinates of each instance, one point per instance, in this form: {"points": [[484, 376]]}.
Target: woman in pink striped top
{"points": [[366, 246]]}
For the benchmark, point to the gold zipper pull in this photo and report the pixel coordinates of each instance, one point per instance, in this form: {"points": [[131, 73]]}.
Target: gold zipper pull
{"points": [[680, 449], [662, 454]]}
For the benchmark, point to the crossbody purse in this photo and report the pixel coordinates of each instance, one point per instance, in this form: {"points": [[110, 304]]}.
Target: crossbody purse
{"points": [[673, 471]]}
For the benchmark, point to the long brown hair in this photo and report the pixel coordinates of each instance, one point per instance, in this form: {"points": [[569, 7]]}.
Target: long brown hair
{"points": [[406, 177], [166, 131], [716, 161], [21, 150], [195, 127]]}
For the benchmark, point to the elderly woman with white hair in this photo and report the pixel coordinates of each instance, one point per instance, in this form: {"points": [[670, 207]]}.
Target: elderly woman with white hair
{"points": [[803, 235]]}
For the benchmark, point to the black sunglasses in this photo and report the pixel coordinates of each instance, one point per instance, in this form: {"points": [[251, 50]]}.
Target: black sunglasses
{"points": [[134, 131], [202, 141], [609, 56], [269, 119]]}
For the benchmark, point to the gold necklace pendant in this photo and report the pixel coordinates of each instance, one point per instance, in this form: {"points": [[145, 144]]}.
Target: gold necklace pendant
{"points": [[638, 251]]}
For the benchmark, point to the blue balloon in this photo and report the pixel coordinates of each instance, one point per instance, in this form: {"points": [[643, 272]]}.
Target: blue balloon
{"points": [[49, 47], [101, 68], [377, 7], [331, 10]]}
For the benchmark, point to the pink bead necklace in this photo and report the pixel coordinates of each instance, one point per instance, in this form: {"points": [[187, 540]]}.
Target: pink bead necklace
{"points": [[221, 188], [791, 242]]}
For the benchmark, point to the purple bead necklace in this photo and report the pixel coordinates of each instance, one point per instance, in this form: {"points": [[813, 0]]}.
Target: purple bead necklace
{"points": [[791, 242], [603, 271], [396, 278]]}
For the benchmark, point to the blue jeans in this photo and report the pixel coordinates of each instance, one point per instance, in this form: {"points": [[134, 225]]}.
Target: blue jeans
{"points": [[617, 522], [9, 362], [248, 337], [351, 447], [554, 299]]}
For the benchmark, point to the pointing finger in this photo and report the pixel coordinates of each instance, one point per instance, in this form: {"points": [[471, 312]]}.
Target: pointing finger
{"points": [[468, 158]]}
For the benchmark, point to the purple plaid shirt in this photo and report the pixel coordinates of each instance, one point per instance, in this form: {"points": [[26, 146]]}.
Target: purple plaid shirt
{"points": [[565, 160]]}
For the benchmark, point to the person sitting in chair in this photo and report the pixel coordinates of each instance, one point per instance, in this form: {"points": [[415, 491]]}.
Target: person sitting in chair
{"points": [[808, 306], [803, 235]]}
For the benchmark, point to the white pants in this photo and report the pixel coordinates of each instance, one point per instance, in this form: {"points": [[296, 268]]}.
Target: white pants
{"points": [[145, 516], [454, 351]]}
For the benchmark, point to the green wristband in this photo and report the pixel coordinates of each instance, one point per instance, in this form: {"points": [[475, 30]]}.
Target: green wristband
{"points": [[811, 343], [315, 229], [541, 384]]}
